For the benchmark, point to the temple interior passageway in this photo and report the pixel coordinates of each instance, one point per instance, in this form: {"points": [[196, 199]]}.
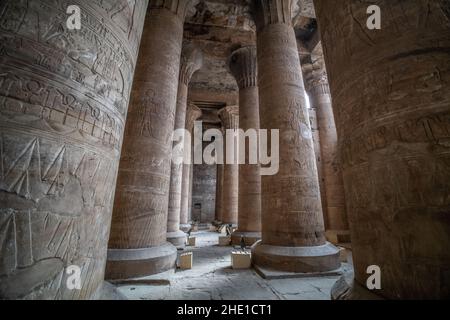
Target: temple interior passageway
{"points": [[320, 146], [213, 278]]}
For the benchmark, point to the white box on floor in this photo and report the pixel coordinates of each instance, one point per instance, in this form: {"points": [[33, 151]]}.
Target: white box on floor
{"points": [[343, 254], [224, 241], [241, 260], [185, 261], [192, 241]]}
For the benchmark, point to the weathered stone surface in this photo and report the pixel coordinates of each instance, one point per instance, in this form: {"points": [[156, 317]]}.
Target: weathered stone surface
{"points": [[191, 61], [141, 204], [333, 199], [391, 101], [292, 221], [230, 187], [63, 101], [204, 192], [243, 66], [192, 114], [219, 187]]}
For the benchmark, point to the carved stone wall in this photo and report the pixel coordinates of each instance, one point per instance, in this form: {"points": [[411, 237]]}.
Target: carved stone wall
{"points": [[391, 101], [63, 100]]}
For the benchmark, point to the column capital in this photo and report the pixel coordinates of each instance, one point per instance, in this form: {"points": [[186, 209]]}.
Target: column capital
{"points": [[229, 117], [266, 12], [243, 67], [315, 77], [178, 7], [191, 62], [192, 114]]}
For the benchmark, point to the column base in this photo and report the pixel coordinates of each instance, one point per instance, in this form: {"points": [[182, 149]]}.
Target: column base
{"points": [[177, 238], [296, 259], [338, 236], [249, 237], [346, 288], [134, 263], [185, 227]]}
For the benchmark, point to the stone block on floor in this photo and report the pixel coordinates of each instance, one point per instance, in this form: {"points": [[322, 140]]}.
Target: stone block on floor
{"points": [[192, 241], [224, 241], [343, 254], [241, 260], [185, 261]]}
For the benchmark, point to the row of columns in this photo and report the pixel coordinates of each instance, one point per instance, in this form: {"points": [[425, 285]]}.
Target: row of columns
{"points": [[391, 110], [329, 169]]}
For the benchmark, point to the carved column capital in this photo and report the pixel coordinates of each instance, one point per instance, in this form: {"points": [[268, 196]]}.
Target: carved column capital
{"points": [[178, 7], [191, 61], [229, 117], [266, 12], [315, 77], [243, 67], [192, 115]]}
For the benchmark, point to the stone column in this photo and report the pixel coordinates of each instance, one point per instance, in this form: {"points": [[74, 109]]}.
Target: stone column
{"points": [[63, 100], [336, 223], [391, 101], [243, 66], [230, 187], [219, 186], [137, 245], [192, 114], [293, 235], [191, 61]]}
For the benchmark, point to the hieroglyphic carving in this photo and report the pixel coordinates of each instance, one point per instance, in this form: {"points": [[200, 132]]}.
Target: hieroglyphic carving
{"points": [[291, 202], [142, 198], [392, 111], [63, 98]]}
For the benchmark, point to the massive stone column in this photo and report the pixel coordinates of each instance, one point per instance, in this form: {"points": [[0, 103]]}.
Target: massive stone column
{"points": [[192, 114], [219, 186], [336, 223], [137, 245], [242, 64], [63, 101], [230, 186], [191, 61], [391, 101], [293, 235], [316, 142]]}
